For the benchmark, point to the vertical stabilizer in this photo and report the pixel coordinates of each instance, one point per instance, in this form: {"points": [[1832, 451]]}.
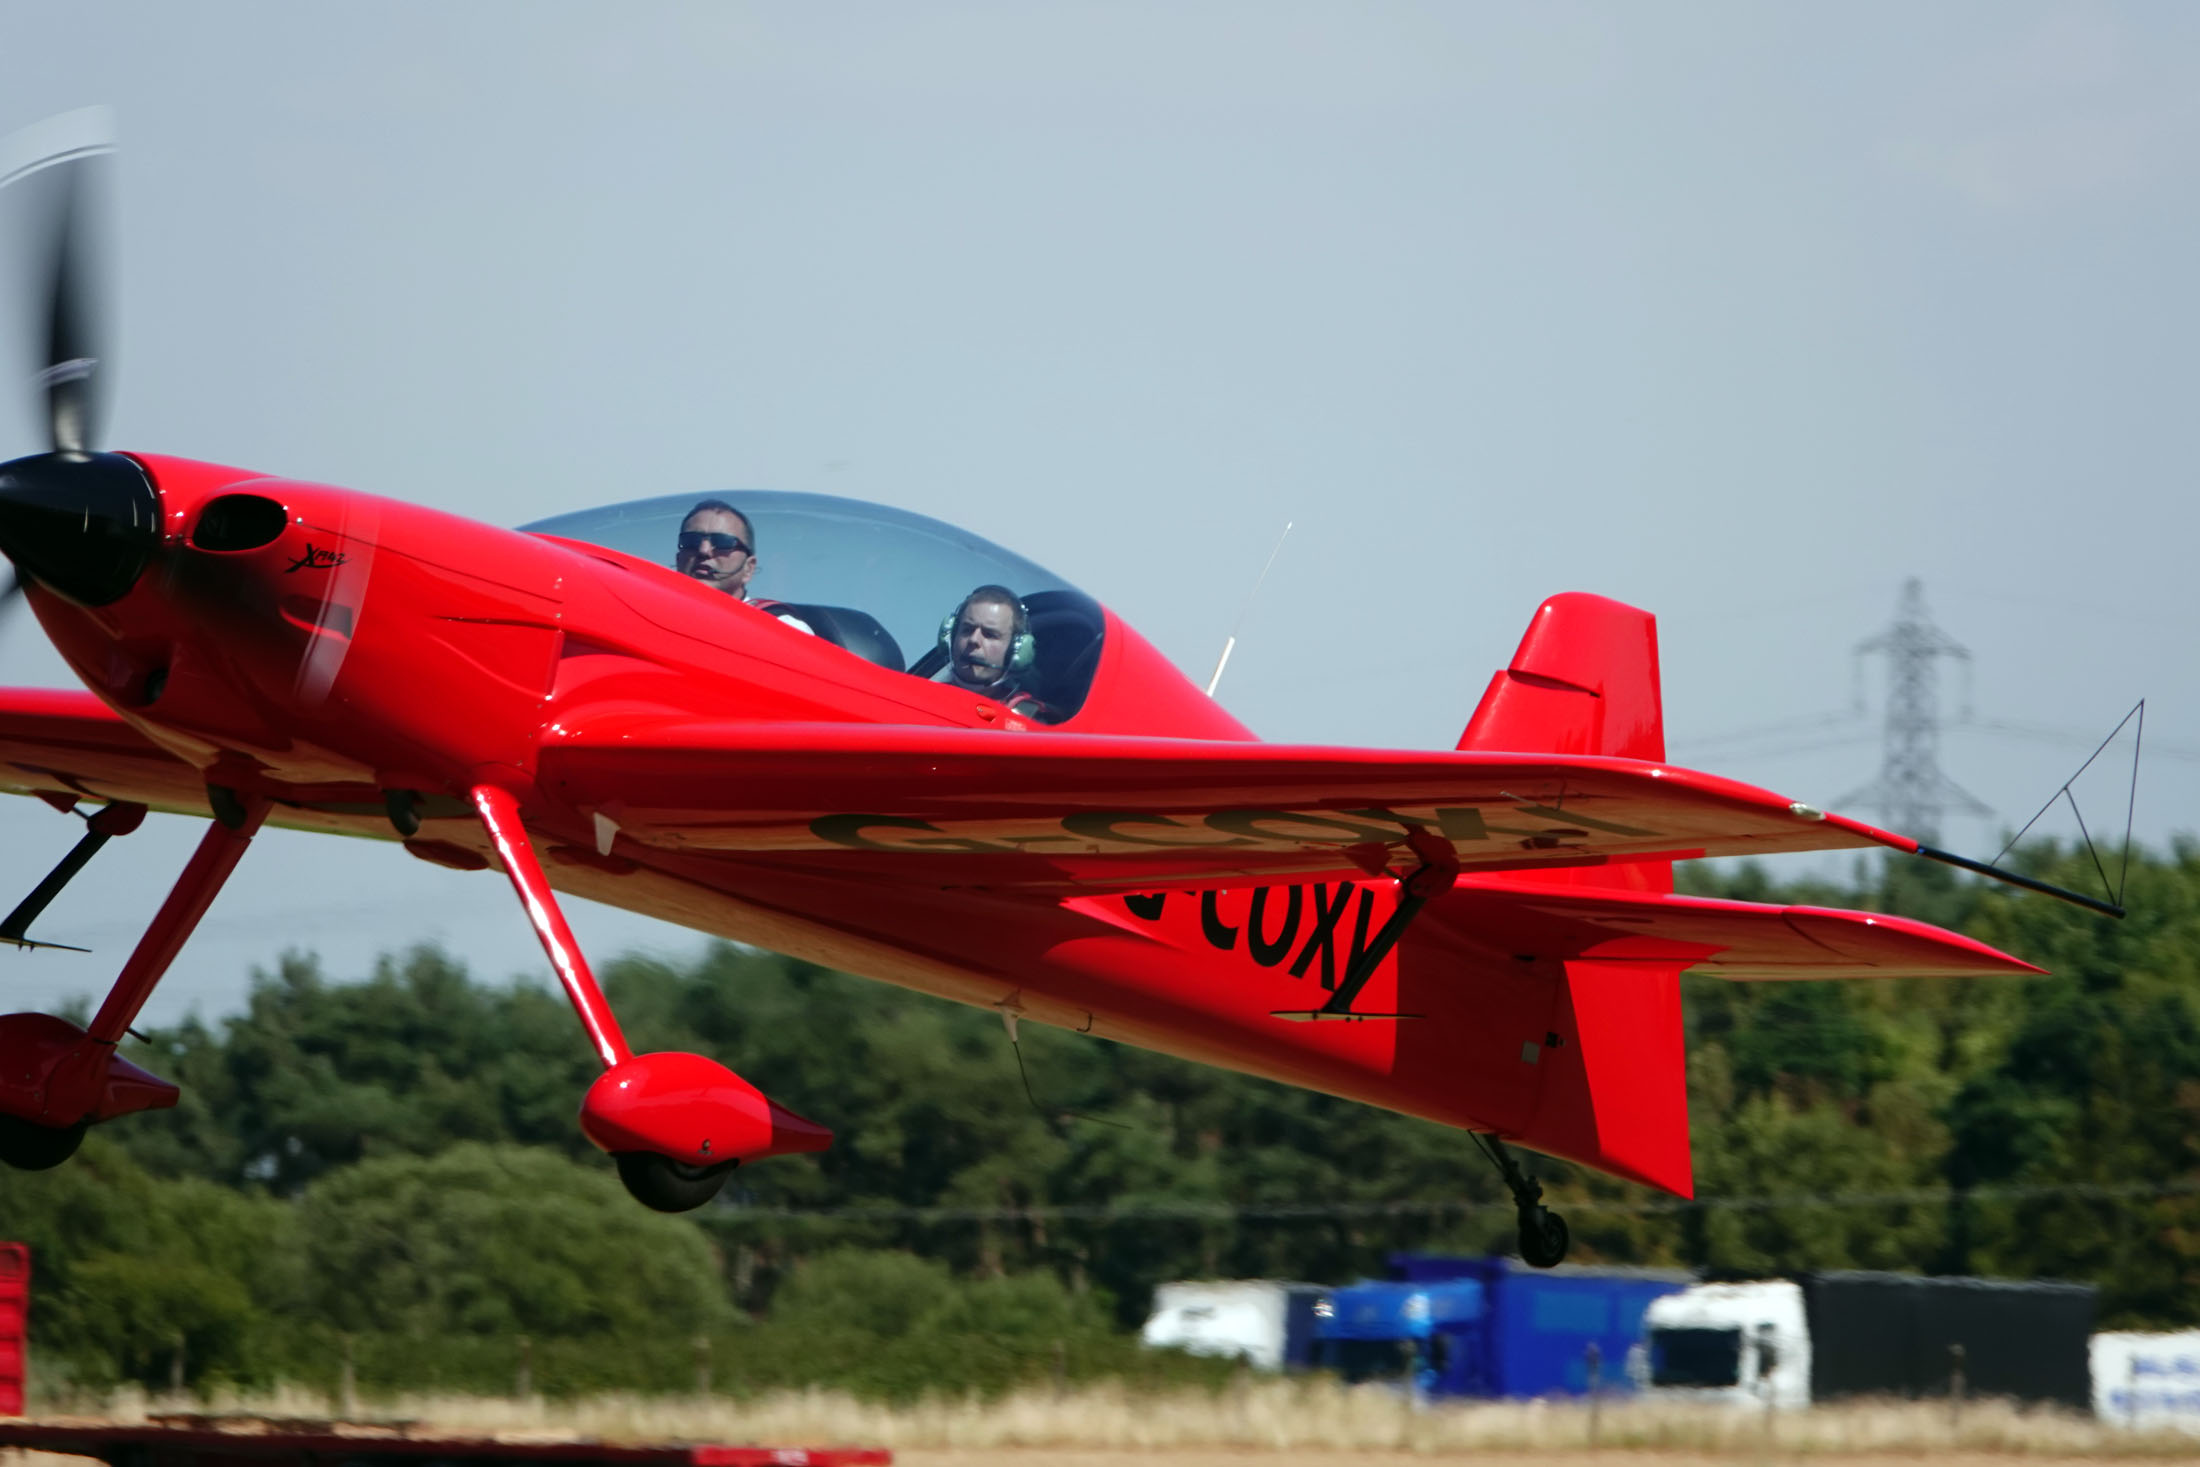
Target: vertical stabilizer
{"points": [[1585, 681]]}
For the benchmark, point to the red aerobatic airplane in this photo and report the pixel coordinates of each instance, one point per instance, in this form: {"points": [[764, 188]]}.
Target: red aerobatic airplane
{"points": [[1023, 806]]}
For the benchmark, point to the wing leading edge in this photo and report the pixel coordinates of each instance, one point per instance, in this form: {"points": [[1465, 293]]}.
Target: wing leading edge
{"points": [[66, 743]]}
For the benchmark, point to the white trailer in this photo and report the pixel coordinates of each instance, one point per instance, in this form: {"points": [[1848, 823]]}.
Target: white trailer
{"points": [[1743, 1344], [1265, 1322], [2147, 1381]]}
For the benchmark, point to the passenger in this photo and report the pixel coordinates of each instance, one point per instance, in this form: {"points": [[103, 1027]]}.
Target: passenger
{"points": [[718, 548], [989, 646]]}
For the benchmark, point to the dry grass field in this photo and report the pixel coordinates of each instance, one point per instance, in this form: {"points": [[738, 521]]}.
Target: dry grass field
{"points": [[1262, 1423]]}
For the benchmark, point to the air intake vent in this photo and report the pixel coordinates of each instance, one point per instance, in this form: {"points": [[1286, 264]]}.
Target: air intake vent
{"points": [[239, 522]]}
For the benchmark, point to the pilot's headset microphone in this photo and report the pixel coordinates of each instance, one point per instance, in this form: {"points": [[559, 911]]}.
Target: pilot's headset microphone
{"points": [[1023, 649]]}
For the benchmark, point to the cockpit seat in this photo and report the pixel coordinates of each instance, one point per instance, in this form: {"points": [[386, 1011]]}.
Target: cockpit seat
{"points": [[858, 631], [1068, 626]]}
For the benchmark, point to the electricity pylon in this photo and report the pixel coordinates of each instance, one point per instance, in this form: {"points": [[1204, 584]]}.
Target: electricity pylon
{"points": [[1910, 793]]}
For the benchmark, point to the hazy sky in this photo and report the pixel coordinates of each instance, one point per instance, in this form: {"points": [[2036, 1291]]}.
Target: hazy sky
{"points": [[1741, 313]]}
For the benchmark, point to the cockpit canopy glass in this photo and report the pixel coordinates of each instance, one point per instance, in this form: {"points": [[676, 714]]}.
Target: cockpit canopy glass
{"points": [[880, 582]]}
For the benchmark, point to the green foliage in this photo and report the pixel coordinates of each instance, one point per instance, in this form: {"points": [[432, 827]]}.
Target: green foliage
{"points": [[484, 1240], [127, 1270], [888, 1323], [315, 1075], [877, 1292]]}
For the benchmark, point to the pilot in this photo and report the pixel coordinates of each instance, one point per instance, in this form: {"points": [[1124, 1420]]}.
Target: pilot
{"points": [[989, 647], [718, 548]]}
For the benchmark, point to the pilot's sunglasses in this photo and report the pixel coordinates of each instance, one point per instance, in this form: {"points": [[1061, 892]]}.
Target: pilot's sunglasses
{"points": [[693, 541]]}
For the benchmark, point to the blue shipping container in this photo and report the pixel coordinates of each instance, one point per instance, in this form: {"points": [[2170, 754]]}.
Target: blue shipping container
{"points": [[1490, 1326], [1409, 1334], [1539, 1324]]}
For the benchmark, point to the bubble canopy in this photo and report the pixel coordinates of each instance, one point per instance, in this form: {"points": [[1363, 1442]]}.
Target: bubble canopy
{"points": [[900, 574]]}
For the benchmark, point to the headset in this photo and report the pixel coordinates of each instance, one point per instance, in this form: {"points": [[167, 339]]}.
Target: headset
{"points": [[1023, 648]]}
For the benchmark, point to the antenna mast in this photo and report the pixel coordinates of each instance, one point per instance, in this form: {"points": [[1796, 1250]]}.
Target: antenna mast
{"points": [[1229, 644]]}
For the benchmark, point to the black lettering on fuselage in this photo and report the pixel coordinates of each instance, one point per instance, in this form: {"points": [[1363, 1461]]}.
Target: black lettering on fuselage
{"points": [[1265, 952], [1325, 928], [1220, 935], [1322, 939]]}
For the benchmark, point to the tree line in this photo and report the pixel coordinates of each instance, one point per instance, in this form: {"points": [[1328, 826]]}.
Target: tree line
{"points": [[383, 1175]]}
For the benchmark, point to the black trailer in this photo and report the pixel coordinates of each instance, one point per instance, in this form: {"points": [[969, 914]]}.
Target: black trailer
{"points": [[1899, 1334]]}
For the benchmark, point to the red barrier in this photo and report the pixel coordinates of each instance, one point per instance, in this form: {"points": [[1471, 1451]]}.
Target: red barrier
{"points": [[243, 1441], [15, 1311]]}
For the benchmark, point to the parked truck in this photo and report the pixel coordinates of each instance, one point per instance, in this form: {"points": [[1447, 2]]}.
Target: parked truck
{"points": [[1788, 1342], [1446, 1326], [1267, 1323]]}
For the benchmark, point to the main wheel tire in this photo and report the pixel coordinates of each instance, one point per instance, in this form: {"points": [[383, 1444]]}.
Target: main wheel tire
{"points": [[664, 1185], [29, 1147], [1543, 1238]]}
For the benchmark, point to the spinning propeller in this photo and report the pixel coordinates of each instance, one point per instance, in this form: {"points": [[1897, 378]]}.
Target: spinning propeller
{"points": [[81, 523]]}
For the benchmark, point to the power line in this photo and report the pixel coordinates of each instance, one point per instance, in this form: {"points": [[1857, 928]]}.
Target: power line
{"points": [[1772, 751], [1150, 1212], [1815, 723], [2050, 734]]}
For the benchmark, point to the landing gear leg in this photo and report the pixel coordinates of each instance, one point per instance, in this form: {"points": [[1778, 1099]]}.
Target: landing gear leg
{"points": [[1543, 1235], [676, 1124], [101, 826], [500, 817], [61, 1079]]}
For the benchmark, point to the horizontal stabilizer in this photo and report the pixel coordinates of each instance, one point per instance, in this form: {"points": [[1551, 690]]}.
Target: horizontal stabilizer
{"points": [[1742, 941]]}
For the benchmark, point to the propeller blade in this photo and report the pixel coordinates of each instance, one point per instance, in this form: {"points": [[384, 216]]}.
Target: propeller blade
{"points": [[70, 375], [65, 155]]}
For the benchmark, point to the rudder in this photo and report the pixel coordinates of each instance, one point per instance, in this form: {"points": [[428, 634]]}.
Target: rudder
{"points": [[1615, 1090]]}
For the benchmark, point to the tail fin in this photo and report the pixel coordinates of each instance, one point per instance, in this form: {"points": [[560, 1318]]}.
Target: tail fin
{"points": [[1585, 681]]}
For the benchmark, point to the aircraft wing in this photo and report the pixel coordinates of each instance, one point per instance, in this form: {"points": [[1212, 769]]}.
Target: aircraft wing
{"points": [[1063, 812], [68, 744], [1092, 813]]}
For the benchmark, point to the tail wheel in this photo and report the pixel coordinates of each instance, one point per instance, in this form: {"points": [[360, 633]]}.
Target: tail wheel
{"points": [[30, 1147], [664, 1185], [1543, 1238]]}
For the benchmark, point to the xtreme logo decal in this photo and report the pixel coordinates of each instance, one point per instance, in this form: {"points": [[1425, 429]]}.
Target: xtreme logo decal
{"points": [[317, 559], [1102, 832]]}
